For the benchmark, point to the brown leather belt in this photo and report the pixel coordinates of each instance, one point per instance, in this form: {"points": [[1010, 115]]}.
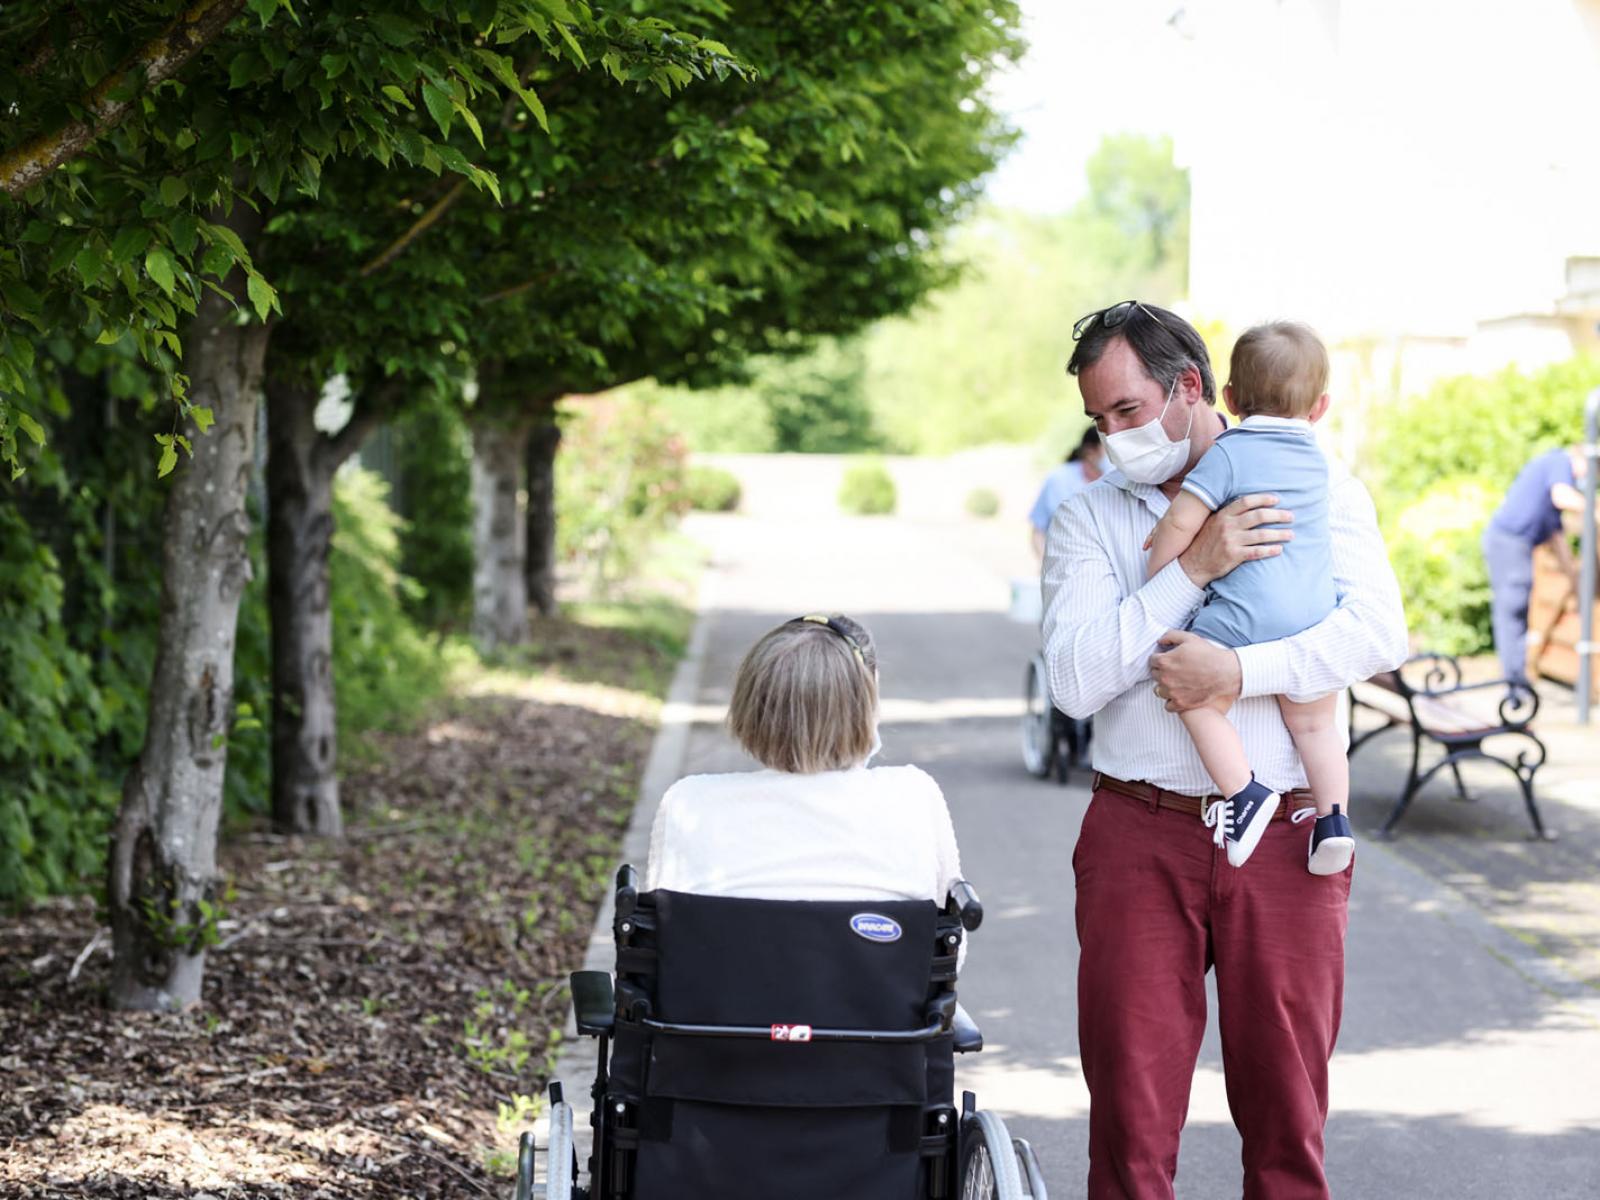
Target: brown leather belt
{"points": [[1193, 806]]}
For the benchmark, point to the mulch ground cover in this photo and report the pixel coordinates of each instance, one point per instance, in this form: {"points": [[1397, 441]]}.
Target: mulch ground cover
{"points": [[376, 1007]]}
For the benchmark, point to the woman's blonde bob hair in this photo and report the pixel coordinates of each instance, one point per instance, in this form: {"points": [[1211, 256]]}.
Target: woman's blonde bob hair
{"points": [[805, 698]]}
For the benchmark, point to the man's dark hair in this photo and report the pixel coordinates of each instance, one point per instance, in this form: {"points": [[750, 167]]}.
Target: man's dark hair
{"points": [[1164, 342]]}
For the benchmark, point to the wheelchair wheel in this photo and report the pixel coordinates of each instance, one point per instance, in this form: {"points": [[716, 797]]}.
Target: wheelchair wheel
{"points": [[1038, 722], [989, 1165], [560, 1165]]}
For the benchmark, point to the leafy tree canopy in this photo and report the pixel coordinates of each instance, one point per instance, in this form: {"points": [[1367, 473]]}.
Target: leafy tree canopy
{"points": [[134, 129]]}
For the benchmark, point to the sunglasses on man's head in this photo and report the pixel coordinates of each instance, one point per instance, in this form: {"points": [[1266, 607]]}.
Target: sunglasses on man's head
{"points": [[1110, 318]]}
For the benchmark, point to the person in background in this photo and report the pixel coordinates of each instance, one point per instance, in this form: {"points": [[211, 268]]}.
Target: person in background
{"points": [[1081, 468], [1529, 516]]}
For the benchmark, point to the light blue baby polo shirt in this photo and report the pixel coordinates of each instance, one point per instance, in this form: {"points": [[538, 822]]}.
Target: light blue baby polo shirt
{"points": [[1269, 598]]}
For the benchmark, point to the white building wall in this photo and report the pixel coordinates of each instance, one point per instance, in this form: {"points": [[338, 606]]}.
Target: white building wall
{"points": [[1392, 169]]}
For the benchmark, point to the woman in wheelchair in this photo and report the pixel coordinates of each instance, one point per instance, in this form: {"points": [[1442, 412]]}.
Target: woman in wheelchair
{"points": [[783, 1020], [816, 823]]}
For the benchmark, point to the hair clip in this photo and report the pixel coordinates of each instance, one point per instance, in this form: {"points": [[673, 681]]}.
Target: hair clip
{"points": [[820, 619]]}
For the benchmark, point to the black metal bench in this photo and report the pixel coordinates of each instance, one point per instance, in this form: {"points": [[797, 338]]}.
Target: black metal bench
{"points": [[1422, 695]]}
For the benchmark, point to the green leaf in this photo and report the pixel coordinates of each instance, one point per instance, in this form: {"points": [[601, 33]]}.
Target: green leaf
{"points": [[572, 43], [536, 107], [158, 265], [90, 262], [130, 242], [109, 336], [184, 228], [440, 106], [230, 239], [173, 190], [169, 456], [247, 66], [398, 96], [262, 295], [397, 31], [471, 119], [203, 420], [30, 427]]}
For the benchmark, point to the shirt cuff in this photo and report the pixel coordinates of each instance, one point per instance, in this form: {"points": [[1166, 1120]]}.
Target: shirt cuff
{"points": [[1200, 494], [1264, 670], [1171, 597]]}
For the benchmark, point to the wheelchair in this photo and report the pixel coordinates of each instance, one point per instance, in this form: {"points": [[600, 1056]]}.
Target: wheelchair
{"points": [[1052, 742], [779, 1050]]}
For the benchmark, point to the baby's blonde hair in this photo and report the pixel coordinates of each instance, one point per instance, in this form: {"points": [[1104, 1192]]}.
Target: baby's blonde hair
{"points": [[1279, 369], [805, 698]]}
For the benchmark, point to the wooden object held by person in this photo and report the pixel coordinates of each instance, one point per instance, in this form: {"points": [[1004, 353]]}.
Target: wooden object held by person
{"points": [[1553, 625]]}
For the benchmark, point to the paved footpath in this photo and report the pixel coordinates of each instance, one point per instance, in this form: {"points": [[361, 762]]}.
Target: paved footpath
{"points": [[1469, 1064]]}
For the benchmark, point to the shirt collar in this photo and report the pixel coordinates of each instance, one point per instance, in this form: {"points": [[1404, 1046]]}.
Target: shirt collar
{"points": [[1263, 421]]}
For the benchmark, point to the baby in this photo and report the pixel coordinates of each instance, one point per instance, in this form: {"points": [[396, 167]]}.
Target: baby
{"points": [[1277, 383]]}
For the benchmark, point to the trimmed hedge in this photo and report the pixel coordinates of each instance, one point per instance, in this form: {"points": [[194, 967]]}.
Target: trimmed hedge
{"points": [[867, 490]]}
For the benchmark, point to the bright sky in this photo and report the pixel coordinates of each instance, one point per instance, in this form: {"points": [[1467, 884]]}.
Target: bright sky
{"points": [[1092, 68]]}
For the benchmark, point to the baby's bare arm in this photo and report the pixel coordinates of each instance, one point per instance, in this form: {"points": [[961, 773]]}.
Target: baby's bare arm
{"points": [[1175, 530]]}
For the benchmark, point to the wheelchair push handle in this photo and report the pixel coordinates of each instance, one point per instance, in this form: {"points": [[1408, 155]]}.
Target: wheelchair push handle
{"points": [[966, 903], [627, 890]]}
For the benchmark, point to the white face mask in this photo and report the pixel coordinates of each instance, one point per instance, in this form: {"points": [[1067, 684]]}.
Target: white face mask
{"points": [[877, 745], [1146, 454]]}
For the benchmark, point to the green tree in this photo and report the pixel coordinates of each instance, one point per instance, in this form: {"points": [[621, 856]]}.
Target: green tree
{"points": [[145, 220], [742, 221], [1135, 188]]}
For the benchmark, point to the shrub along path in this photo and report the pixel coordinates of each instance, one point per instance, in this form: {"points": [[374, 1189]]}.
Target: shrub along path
{"points": [[373, 1004]]}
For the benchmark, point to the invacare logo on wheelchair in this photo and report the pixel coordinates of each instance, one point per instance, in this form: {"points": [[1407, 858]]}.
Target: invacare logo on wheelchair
{"points": [[875, 927]]}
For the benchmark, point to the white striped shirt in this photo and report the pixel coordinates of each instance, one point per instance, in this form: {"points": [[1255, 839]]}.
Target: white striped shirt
{"points": [[1102, 621]]}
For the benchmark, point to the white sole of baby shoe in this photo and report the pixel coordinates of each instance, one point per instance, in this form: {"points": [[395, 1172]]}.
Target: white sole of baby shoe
{"points": [[1332, 856]]}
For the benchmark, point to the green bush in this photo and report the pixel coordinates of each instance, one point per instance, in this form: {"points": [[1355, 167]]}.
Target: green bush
{"points": [[711, 489], [982, 502], [385, 668], [620, 483], [433, 456], [56, 805], [1440, 464], [78, 627], [867, 489]]}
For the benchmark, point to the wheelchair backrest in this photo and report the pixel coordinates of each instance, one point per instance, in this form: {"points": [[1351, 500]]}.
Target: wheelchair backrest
{"points": [[780, 1048]]}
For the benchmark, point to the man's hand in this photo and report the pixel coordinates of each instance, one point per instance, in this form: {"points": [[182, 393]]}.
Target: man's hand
{"points": [[1235, 534], [1194, 673]]}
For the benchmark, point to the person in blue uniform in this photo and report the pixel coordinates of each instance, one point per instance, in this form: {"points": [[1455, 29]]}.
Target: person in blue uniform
{"points": [[1529, 516]]}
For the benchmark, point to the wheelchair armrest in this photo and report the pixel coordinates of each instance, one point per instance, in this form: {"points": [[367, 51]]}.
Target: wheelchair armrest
{"points": [[969, 1037], [964, 901], [593, 1002]]}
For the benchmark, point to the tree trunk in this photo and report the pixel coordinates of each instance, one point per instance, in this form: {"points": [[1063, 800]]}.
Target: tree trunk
{"points": [[499, 534], [300, 468], [543, 442], [162, 878]]}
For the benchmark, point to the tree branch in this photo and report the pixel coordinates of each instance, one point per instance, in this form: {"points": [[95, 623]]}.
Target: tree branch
{"points": [[371, 410], [518, 289], [157, 60], [418, 227]]}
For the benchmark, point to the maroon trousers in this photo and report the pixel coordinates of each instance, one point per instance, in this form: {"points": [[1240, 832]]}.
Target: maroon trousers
{"points": [[1158, 906]]}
